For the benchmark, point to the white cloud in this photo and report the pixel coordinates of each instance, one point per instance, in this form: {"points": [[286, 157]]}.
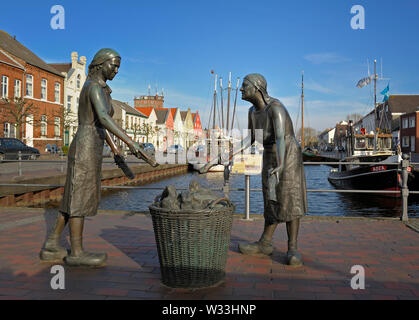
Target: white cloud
{"points": [[320, 58], [317, 87]]}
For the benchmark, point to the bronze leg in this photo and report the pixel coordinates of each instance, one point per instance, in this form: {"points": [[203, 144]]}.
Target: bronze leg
{"points": [[76, 235], [78, 256], [293, 256], [52, 250], [264, 245]]}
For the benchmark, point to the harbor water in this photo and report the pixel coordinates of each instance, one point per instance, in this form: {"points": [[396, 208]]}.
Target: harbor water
{"points": [[320, 204]]}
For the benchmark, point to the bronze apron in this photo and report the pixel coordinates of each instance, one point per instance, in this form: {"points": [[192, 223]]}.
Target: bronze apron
{"points": [[82, 188]]}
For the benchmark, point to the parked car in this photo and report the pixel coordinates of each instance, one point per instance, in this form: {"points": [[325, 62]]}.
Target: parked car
{"points": [[148, 149], [10, 147], [175, 148]]}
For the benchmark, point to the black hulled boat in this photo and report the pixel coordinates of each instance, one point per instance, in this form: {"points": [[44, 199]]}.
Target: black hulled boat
{"points": [[384, 172]]}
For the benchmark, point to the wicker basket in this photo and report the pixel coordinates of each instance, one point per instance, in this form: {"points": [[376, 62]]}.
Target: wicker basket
{"points": [[192, 244]]}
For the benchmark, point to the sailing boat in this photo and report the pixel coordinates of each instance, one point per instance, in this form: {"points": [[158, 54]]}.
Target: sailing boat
{"points": [[221, 131], [309, 155], [366, 147]]}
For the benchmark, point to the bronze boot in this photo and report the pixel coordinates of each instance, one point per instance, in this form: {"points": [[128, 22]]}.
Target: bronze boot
{"points": [[80, 258], [260, 247], [293, 255], [52, 250]]}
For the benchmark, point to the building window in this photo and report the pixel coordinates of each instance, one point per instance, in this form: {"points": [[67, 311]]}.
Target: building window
{"points": [[78, 81], [29, 85], [6, 130], [69, 103], [412, 123], [405, 142], [43, 125], [412, 143], [57, 92], [405, 123], [57, 126], [18, 88], [4, 86], [44, 89]]}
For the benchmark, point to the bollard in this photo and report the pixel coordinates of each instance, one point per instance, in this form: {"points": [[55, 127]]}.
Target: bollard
{"points": [[19, 166], [405, 190], [247, 197]]}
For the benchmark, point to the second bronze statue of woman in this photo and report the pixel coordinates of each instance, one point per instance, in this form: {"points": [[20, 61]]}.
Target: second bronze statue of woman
{"points": [[82, 187], [283, 177]]}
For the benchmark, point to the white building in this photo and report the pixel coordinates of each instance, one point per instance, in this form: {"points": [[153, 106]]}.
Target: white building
{"points": [[75, 76], [326, 137], [179, 136], [129, 119]]}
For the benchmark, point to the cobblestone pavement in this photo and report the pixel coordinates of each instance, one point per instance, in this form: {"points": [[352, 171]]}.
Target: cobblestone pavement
{"points": [[386, 248]]}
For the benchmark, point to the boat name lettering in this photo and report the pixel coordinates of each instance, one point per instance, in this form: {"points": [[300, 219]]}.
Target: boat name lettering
{"points": [[378, 168]]}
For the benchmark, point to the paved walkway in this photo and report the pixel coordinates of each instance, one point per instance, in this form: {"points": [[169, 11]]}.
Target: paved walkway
{"points": [[386, 248]]}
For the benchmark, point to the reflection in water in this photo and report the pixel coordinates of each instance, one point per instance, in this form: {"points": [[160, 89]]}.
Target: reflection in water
{"points": [[325, 204]]}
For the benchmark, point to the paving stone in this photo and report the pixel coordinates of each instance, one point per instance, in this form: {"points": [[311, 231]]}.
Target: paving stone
{"points": [[385, 248]]}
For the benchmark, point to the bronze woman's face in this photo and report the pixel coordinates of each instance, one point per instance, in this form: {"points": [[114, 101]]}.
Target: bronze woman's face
{"points": [[248, 90], [110, 68]]}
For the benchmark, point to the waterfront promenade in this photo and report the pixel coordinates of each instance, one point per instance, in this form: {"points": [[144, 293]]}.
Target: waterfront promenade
{"points": [[386, 248]]}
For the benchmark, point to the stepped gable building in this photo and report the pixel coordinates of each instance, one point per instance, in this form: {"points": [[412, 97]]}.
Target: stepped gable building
{"points": [[197, 127], [26, 76], [75, 77]]}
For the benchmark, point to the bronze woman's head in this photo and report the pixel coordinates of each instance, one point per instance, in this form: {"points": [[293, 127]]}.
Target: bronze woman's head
{"points": [[108, 61], [251, 84]]}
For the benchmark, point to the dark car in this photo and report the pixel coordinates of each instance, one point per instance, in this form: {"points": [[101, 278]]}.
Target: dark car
{"points": [[10, 147], [149, 149]]}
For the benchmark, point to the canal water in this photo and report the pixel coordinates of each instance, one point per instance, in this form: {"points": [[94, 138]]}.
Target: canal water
{"points": [[320, 204]]}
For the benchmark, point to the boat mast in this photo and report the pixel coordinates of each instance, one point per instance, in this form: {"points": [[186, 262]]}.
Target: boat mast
{"points": [[375, 91], [228, 101], [302, 112], [235, 103], [222, 106], [215, 102]]}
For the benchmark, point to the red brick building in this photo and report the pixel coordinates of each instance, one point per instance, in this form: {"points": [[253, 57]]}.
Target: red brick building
{"points": [[24, 75], [149, 101], [409, 132]]}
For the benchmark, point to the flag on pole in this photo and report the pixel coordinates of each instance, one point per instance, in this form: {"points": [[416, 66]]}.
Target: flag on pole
{"points": [[364, 81], [385, 93]]}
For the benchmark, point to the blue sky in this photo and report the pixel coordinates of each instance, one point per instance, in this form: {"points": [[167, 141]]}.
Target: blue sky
{"points": [[173, 45]]}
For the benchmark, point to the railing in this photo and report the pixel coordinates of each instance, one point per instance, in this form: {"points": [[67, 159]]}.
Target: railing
{"points": [[405, 192]]}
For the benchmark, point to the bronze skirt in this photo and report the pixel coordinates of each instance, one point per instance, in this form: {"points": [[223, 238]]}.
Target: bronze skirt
{"points": [[82, 188], [291, 188]]}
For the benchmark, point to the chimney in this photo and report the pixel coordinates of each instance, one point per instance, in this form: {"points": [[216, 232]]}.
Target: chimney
{"points": [[83, 60], [74, 59]]}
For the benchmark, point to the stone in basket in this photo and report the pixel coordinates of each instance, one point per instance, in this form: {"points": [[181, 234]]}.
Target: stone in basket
{"points": [[192, 232]]}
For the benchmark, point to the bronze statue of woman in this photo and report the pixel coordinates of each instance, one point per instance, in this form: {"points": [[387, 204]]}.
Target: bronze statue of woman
{"points": [[283, 177], [82, 187]]}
